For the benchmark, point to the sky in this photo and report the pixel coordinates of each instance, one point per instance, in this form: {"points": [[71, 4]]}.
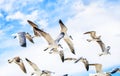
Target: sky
{"points": [[79, 16]]}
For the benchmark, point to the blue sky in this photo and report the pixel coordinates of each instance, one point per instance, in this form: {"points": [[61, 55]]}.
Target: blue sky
{"points": [[102, 16]]}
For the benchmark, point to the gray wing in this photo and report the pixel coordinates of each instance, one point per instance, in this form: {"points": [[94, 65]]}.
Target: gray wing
{"points": [[33, 65], [70, 44], [61, 35], [63, 27], [22, 39], [29, 37], [102, 45], [48, 38]]}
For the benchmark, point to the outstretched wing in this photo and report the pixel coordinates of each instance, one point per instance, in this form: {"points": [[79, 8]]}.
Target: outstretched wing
{"points": [[34, 26], [102, 45], [29, 37], [63, 27], [47, 37], [22, 39], [70, 44], [92, 34], [22, 66], [33, 65]]}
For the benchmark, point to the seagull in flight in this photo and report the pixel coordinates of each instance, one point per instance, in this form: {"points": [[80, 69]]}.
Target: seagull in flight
{"points": [[105, 50], [67, 38], [83, 60], [38, 71], [36, 34], [21, 36], [54, 44], [19, 62]]}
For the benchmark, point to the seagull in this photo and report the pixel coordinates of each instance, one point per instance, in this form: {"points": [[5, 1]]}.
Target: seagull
{"points": [[67, 38], [85, 61], [105, 50], [93, 35], [37, 71], [98, 67], [36, 34], [21, 36], [51, 42], [19, 62]]}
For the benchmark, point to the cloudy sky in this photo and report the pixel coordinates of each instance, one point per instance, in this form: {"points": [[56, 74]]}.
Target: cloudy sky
{"points": [[102, 16]]}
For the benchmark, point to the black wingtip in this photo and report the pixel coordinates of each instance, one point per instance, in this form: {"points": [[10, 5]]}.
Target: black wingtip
{"points": [[87, 67], [60, 21], [27, 59], [73, 52]]}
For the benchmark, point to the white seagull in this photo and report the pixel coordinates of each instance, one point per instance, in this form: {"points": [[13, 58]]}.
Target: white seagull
{"points": [[38, 71], [19, 62], [105, 50], [85, 61], [67, 38], [53, 44], [21, 36]]}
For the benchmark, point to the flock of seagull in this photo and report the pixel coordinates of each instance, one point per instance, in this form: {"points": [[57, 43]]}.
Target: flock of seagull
{"points": [[54, 45]]}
